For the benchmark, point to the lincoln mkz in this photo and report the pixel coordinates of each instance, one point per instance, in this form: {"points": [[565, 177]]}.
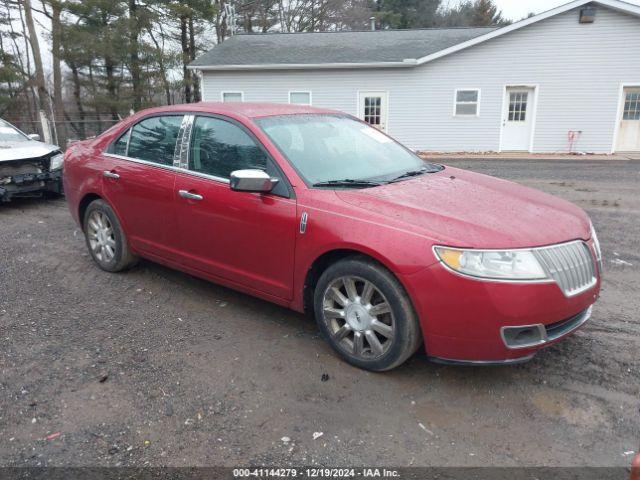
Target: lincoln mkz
{"points": [[317, 211]]}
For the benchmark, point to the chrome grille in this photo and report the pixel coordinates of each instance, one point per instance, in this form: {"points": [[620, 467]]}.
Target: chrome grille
{"points": [[571, 265]]}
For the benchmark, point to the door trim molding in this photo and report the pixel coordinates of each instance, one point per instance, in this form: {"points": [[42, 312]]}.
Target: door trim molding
{"points": [[534, 111], [616, 130], [386, 98]]}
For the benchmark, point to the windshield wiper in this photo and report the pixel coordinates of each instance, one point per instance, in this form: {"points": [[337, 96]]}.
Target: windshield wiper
{"points": [[347, 182], [411, 173]]}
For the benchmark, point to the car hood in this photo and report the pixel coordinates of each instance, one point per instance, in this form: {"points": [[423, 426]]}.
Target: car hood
{"points": [[10, 151], [460, 208]]}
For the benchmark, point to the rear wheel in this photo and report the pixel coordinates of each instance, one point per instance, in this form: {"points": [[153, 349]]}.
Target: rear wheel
{"points": [[105, 238], [366, 315]]}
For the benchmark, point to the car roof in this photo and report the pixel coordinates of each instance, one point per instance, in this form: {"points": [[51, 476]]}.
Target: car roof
{"points": [[249, 110]]}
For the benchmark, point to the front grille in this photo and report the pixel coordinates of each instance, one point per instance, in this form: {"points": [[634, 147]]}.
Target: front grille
{"points": [[571, 265]]}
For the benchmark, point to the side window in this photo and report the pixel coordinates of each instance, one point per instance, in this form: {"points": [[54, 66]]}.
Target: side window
{"points": [[120, 147], [154, 139], [219, 147]]}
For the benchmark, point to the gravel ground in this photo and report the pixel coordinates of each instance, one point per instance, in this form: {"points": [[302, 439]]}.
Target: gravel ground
{"points": [[154, 367]]}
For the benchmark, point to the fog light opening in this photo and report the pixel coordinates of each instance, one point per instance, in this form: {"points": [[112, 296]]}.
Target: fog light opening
{"points": [[522, 337]]}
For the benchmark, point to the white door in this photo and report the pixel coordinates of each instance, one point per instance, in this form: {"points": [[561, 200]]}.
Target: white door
{"points": [[517, 118], [629, 130], [373, 107]]}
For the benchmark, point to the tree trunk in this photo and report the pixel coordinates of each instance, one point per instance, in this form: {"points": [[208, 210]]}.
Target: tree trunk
{"points": [[109, 68], [161, 66], [195, 80], [37, 58], [134, 35], [24, 68], [78, 99], [185, 59], [97, 126], [56, 40]]}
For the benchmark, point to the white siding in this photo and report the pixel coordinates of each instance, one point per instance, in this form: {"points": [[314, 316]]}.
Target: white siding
{"points": [[578, 69]]}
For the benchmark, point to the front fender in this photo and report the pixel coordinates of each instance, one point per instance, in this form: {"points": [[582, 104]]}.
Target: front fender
{"points": [[402, 251]]}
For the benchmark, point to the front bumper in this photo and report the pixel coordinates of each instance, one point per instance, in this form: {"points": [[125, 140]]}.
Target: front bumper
{"points": [[464, 320], [31, 184]]}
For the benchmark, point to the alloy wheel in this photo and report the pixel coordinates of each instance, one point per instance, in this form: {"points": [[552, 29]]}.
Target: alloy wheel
{"points": [[102, 240], [358, 317]]}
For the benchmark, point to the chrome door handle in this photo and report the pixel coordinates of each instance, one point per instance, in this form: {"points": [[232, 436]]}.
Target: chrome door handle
{"points": [[189, 195], [109, 174]]}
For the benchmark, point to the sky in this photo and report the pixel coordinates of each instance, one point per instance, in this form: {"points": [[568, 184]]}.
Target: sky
{"points": [[517, 9]]}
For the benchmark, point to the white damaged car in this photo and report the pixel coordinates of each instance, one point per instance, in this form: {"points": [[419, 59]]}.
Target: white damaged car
{"points": [[28, 167]]}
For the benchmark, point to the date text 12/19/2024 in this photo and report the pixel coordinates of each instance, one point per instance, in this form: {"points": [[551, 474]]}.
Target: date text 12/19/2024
{"points": [[315, 473]]}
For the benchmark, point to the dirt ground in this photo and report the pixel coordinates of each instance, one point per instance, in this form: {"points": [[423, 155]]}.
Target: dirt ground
{"points": [[154, 367]]}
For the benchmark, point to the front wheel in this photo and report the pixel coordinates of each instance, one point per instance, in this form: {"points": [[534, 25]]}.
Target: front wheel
{"points": [[366, 315]]}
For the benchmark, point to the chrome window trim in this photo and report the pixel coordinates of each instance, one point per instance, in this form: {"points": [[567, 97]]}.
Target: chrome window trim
{"points": [[168, 167], [128, 140], [183, 142], [186, 143]]}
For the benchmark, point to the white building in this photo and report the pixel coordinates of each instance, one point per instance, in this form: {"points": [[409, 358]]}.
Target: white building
{"points": [[565, 80]]}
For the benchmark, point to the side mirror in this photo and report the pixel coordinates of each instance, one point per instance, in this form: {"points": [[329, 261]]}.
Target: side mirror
{"points": [[252, 181], [34, 136]]}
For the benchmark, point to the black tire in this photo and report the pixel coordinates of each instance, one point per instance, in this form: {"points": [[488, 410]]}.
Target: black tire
{"points": [[407, 336], [122, 258]]}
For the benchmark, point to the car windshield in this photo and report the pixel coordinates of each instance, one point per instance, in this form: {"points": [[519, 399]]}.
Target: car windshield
{"points": [[339, 150], [8, 133]]}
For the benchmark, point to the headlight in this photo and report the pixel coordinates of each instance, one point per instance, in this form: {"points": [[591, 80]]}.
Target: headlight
{"points": [[56, 162], [596, 245], [493, 264]]}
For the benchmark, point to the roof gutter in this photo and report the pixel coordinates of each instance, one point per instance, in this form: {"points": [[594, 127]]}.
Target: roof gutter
{"points": [[407, 62]]}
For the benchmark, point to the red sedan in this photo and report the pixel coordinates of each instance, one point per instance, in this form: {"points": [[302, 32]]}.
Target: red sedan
{"points": [[635, 467], [317, 211]]}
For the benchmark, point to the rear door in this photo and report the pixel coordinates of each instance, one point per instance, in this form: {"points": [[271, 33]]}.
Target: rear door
{"points": [[138, 182], [245, 238]]}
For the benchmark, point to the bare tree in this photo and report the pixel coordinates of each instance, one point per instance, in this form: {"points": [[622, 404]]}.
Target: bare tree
{"points": [[43, 95]]}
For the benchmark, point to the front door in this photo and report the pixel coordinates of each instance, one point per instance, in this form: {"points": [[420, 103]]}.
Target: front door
{"points": [[373, 109], [629, 129], [245, 238], [517, 119]]}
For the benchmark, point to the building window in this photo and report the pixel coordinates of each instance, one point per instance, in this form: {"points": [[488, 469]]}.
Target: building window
{"points": [[467, 102], [300, 98], [518, 106], [373, 110], [232, 97], [632, 106]]}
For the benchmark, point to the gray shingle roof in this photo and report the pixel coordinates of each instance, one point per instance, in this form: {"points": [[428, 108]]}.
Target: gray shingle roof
{"points": [[335, 47]]}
